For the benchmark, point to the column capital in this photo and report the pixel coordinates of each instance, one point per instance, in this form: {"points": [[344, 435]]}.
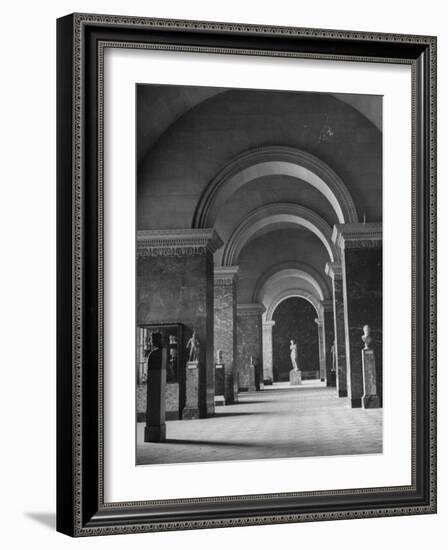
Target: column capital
{"points": [[268, 324], [177, 242], [357, 235], [248, 310], [333, 270], [327, 305], [225, 275], [318, 322]]}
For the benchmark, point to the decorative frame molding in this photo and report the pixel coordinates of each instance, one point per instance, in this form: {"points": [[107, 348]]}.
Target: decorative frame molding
{"points": [[81, 40]]}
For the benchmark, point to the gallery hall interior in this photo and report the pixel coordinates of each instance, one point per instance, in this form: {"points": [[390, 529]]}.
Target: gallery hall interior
{"points": [[258, 274]]}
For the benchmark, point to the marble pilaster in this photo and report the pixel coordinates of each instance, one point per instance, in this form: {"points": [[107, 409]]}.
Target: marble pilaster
{"points": [[328, 316], [321, 343], [249, 343], [268, 368], [334, 271], [225, 327]]}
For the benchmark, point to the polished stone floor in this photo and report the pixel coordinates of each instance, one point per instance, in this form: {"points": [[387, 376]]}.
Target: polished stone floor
{"points": [[280, 421]]}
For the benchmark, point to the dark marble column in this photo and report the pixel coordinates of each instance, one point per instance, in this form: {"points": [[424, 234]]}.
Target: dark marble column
{"points": [[268, 369], [361, 252], [225, 328], [328, 315], [249, 344], [334, 271], [175, 285], [321, 343]]}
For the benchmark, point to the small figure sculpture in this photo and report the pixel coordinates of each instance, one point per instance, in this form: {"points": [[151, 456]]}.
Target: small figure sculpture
{"points": [[193, 347], [333, 357], [293, 348], [219, 357], [366, 338]]}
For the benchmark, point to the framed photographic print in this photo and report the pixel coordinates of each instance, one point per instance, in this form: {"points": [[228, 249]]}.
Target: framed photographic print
{"points": [[246, 275]]}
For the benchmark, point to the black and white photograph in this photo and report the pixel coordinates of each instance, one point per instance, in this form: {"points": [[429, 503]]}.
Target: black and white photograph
{"points": [[259, 288]]}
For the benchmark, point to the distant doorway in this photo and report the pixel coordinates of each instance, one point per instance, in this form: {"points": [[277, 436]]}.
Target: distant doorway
{"points": [[295, 319]]}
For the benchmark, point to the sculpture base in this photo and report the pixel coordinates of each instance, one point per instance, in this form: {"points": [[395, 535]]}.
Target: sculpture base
{"points": [[219, 400], [191, 413], [371, 402], [295, 377], [155, 434]]}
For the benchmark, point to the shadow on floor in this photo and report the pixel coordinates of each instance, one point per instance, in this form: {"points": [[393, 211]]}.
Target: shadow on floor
{"points": [[48, 519], [209, 443], [224, 414]]}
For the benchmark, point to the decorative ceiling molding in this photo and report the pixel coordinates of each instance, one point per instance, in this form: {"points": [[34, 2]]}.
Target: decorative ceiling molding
{"points": [[177, 242], [249, 310], [224, 276], [358, 235]]}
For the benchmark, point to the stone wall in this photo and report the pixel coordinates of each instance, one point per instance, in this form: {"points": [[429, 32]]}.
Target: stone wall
{"points": [[179, 289]]}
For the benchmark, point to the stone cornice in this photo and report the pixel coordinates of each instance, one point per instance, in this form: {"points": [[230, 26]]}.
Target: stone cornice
{"points": [[177, 242], [225, 276], [333, 270], [327, 305], [247, 310], [357, 235]]}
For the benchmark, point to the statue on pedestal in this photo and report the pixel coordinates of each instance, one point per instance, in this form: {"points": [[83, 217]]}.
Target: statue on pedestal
{"points": [[219, 357], [366, 337], [293, 348], [193, 347]]}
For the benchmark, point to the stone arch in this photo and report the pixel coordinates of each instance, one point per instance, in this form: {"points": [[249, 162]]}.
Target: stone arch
{"points": [[292, 293], [276, 215], [274, 160], [294, 269]]}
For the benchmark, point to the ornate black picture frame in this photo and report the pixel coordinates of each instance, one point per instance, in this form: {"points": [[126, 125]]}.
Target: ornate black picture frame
{"points": [[81, 509]]}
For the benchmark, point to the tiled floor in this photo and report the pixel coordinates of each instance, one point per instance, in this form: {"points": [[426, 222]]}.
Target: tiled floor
{"points": [[278, 422]]}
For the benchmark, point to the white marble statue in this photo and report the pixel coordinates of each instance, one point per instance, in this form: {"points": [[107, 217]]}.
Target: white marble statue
{"points": [[193, 347], [293, 348], [366, 337]]}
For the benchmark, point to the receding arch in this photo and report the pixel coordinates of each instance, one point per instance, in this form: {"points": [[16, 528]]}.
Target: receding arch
{"points": [[292, 293], [272, 216], [299, 270], [274, 160]]}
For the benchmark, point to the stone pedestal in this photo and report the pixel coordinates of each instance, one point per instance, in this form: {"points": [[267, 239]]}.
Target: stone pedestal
{"points": [[219, 385], [295, 377], [268, 370], [249, 342], [155, 429], [175, 282], [192, 401], [225, 279], [361, 251], [246, 378], [370, 398], [334, 271]]}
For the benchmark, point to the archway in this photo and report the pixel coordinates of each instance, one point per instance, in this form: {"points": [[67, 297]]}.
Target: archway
{"points": [[294, 318], [269, 218], [268, 161]]}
